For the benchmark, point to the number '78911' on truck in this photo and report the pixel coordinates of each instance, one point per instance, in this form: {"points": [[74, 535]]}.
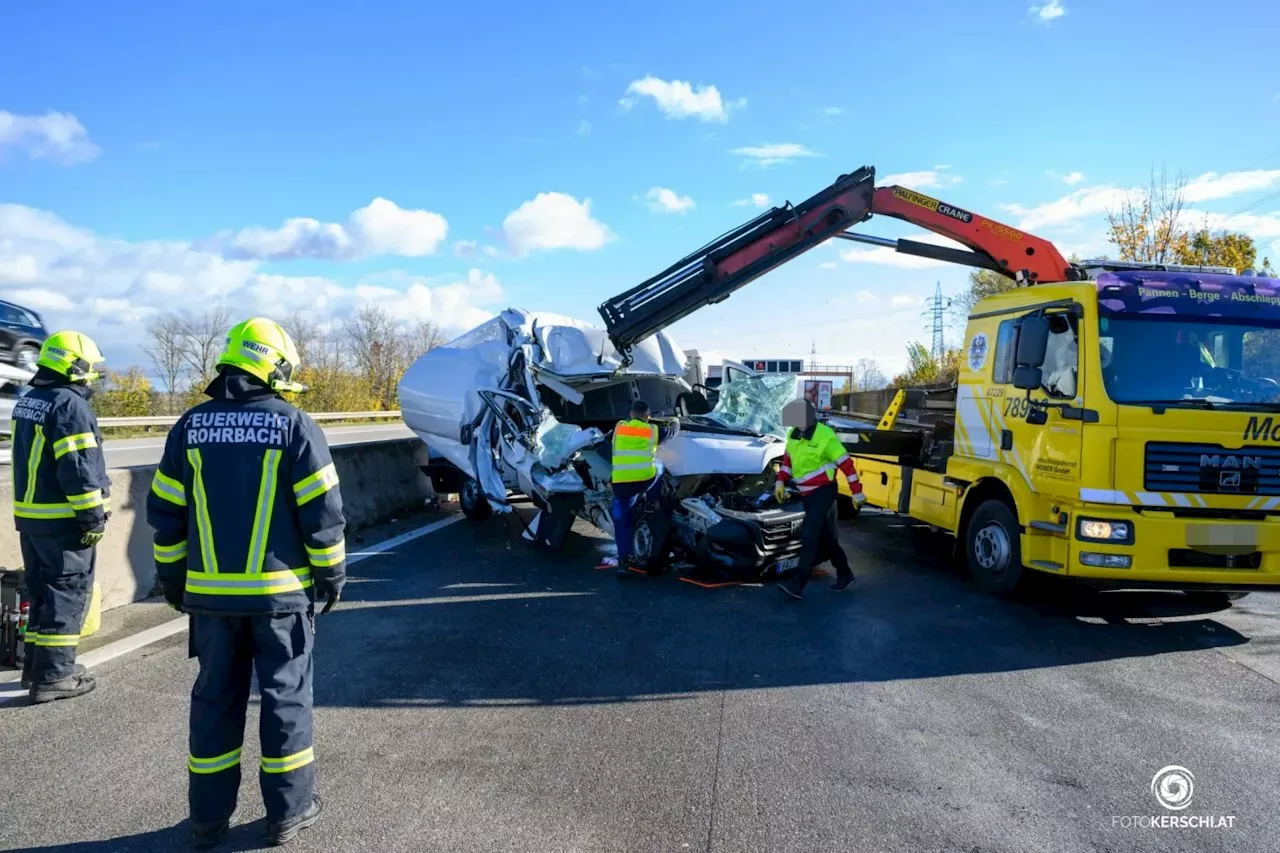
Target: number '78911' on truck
{"points": [[1113, 422]]}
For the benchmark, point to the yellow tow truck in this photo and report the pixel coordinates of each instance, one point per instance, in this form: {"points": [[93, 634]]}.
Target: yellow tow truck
{"points": [[1113, 422]]}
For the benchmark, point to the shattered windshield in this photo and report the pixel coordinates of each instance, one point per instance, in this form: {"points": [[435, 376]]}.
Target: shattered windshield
{"points": [[753, 405]]}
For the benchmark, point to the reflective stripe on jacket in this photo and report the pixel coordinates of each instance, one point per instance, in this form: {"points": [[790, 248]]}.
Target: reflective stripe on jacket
{"points": [[813, 462], [246, 507], [634, 445], [60, 482]]}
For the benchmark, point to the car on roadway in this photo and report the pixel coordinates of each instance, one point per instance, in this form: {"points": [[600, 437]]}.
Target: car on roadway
{"points": [[22, 331]]}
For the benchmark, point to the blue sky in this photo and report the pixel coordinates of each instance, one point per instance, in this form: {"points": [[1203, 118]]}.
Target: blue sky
{"points": [[178, 155]]}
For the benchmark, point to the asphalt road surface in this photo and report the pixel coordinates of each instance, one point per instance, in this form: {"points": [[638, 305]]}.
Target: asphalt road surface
{"points": [[476, 695], [131, 452]]}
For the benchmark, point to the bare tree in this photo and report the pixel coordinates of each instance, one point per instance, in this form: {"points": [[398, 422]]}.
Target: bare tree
{"points": [[867, 376], [421, 339], [205, 334], [376, 345], [307, 335], [1148, 225], [166, 349]]}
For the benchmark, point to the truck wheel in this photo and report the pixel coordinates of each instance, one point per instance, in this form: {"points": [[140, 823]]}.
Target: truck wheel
{"points": [[647, 552], [994, 549], [1235, 596], [474, 505], [846, 509]]}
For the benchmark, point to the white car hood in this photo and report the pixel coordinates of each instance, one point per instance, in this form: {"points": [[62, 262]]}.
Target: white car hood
{"points": [[691, 453]]}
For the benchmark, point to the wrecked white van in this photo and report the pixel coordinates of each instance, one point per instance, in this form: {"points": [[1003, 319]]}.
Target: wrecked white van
{"points": [[520, 407]]}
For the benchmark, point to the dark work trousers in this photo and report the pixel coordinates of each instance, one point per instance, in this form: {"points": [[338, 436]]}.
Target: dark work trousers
{"points": [[230, 650], [819, 538], [59, 573], [626, 497]]}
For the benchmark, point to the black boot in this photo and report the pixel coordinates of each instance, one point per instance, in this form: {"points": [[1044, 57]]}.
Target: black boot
{"points": [[286, 830], [206, 836], [67, 688], [842, 583], [26, 676]]}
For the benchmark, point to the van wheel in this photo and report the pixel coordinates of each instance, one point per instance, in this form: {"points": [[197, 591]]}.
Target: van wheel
{"points": [[846, 508], [1235, 596], [994, 549], [646, 552], [474, 505]]}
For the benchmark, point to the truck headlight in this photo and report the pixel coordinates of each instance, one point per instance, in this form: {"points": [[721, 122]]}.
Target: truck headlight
{"points": [[1098, 530], [1105, 561]]}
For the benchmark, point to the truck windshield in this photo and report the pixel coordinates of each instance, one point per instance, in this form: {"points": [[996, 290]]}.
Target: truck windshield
{"points": [[1176, 360]]}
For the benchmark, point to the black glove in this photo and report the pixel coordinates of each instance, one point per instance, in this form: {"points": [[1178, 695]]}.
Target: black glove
{"points": [[93, 535], [173, 594], [329, 590]]}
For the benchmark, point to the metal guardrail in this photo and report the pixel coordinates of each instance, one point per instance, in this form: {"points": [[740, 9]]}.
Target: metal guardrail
{"points": [[170, 420]]}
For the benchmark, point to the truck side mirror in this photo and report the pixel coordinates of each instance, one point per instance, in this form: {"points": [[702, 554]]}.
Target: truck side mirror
{"points": [[1033, 345]]}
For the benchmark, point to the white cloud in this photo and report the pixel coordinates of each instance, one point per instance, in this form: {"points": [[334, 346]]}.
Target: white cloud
{"points": [[383, 228], [17, 269], [57, 137], [1073, 178], [584, 127], [380, 228], [554, 220], [827, 265], [465, 248], [884, 256], [865, 297], [1097, 201], [111, 288], [756, 200], [903, 300], [832, 111], [925, 179], [1213, 185], [664, 200], [771, 153], [1050, 11], [1090, 201], [679, 99], [417, 300]]}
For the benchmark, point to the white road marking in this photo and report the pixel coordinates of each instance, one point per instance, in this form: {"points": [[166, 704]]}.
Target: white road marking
{"points": [[11, 691]]}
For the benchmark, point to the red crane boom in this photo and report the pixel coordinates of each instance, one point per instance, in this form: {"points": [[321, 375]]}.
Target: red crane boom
{"points": [[715, 271]]}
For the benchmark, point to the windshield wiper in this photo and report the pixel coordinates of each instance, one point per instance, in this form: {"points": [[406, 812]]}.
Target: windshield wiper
{"points": [[1159, 406]]}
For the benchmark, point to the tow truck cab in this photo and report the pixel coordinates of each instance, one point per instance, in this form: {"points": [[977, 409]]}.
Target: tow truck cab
{"points": [[1123, 430]]}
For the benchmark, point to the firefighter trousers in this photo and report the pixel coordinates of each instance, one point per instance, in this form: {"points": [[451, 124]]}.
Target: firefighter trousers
{"points": [[819, 537], [59, 577], [231, 649]]}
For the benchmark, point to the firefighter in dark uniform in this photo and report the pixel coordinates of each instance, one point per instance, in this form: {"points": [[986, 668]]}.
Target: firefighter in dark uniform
{"points": [[248, 536], [61, 503], [813, 456]]}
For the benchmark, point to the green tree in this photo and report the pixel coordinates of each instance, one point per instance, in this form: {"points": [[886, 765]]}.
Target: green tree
{"points": [[1221, 249], [924, 369], [123, 395]]}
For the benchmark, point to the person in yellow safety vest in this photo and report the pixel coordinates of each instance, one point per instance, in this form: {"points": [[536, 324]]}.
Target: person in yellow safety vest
{"points": [[635, 443], [62, 500], [813, 456]]}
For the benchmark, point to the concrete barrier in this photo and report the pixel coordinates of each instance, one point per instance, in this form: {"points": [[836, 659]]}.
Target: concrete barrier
{"points": [[378, 480]]}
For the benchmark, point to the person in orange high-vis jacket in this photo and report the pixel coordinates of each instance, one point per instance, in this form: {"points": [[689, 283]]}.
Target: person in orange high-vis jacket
{"points": [[813, 456]]}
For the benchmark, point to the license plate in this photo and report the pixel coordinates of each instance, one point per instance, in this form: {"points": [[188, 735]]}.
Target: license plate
{"points": [[787, 565]]}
